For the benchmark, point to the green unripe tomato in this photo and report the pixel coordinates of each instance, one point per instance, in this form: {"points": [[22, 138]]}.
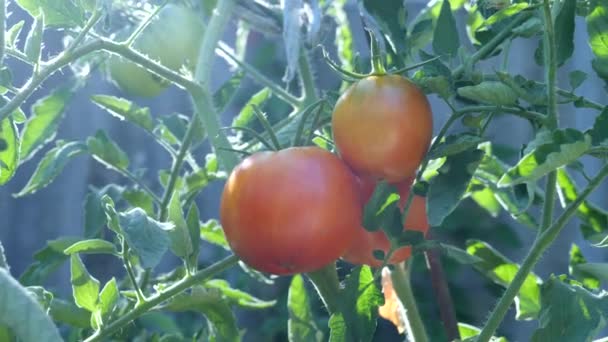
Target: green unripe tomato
{"points": [[172, 38]]}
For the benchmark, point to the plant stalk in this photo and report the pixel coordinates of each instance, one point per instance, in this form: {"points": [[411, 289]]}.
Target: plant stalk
{"points": [[442, 292], [400, 276]]}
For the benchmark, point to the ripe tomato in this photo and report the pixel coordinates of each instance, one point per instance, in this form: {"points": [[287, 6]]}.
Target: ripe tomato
{"points": [[290, 211], [173, 38], [382, 127], [365, 242]]}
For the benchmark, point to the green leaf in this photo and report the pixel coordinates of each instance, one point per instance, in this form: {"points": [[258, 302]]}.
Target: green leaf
{"points": [[599, 133], [570, 313], [211, 304], [47, 260], [21, 312], [194, 229], [64, 13], [382, 208], [564, 147], [337, 328], [501, 270], [94, 214], [238, 297], [212, 232], [139, 199], [445, 36], [594, 221], [148, 238], [454, 144], [92, 246], [504, 13], [226, 93], [486, 199], [68, 313], [563, 13], [459, 255], [125, 110], [43, 296], [9, 150], [588, 279], [576, 78], [33, 41], [344, 35], [247, 115], [13, 33], [490, 92], [448, 187], [181, 243], [300, 326], [85, 288], [595, 269], [597, 27], [108, 297], [359, 303], [44, 121], [107, 151], [391, 16], [468, 331], [51, 165]]}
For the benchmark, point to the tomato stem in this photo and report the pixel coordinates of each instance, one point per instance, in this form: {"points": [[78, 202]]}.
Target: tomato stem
{"points": [[377, 58], [442, 292], [400, 276]]}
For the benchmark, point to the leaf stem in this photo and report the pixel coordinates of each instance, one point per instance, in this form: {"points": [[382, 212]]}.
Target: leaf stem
{"points": [[542, 242], [530, 115], [162, 296], [128, 174], [127, 262], [400, 276], [309, 92]]}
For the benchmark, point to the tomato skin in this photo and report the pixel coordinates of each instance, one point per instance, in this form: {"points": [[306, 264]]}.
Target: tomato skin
{"points": [[365, 242], [290, 211], [382, 127]]}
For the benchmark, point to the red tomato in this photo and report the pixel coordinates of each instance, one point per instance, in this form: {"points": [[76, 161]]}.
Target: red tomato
{"points": [[382, 127], [290, 211], [365, 242]]}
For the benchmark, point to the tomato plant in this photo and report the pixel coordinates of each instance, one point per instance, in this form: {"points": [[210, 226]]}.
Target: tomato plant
{"points": [[290, 211], [382, 127]]}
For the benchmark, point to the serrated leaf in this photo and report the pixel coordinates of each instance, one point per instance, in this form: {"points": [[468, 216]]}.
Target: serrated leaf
{"points": [[108, 297], [181, 244], [238, 297], [501, 270], [64, 13], [597, 27], [85, 288], [570, 313], [20, 311], [140, 199], [391, 16], [300, 326], [44, 121], [449, 186], [94, 214], [565, 147], [599, 133], [106, 151], [490, 92], [211, 304], [51, 165], [586, 278], [212, 232], [125, 110], [148, 238], [454, 144], [47, 260], [247, 115], [576, 78], [563, 13], [92, 246], [33, 42], [9, 150], [445, 36]]}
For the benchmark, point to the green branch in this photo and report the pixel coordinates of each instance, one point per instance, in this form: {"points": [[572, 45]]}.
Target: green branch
{"points": [[162, 296], [526, 114], [403, 289]]}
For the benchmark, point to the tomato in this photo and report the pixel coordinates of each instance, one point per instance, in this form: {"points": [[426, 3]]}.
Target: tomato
{"points": [[382, 127], [365, 242], [173, 38], [290, 211]]}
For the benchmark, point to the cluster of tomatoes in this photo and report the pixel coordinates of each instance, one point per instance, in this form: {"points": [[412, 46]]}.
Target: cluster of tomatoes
{"points": [[299, 209]]}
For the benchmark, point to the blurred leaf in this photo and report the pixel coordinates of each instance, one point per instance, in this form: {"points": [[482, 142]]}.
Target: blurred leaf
{"points": [[459, 255], [576, 78], [211, 304], [597, 27], [107, 152], [486, 199], [454, 144], [64, 13], [595, 269], [380, 210], [85, 288], [300, 326], [13, 33], [46, 261], [177, 124], [139, 199], [226, 93], [594, 221], [108, 297], [445, 36], [247, 115], [20, 312], [490, 92], [588, 279], [212, 232], [391, 16], [94, 215], [599, 133], [43, 296], [563, 13], [181, 244], [194, 231], [9, 150], [68, 313], [125, 110], [3, 262], [33, 41], [505, 13], [43, 122], [565, 147], [569, 313], [93, 246], [51, 165], [238, 297], [344, 35], [145, 236], [337, 328], [448, 187], [501, 270], [467, 332]]}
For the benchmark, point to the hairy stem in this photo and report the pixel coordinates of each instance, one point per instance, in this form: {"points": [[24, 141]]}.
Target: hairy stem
{"points": [[308, 83], [127, 262], [400, 276], [442, 292]]}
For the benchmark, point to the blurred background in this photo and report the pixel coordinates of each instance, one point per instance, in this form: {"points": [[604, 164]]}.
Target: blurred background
{"points": [[26, 224]]}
